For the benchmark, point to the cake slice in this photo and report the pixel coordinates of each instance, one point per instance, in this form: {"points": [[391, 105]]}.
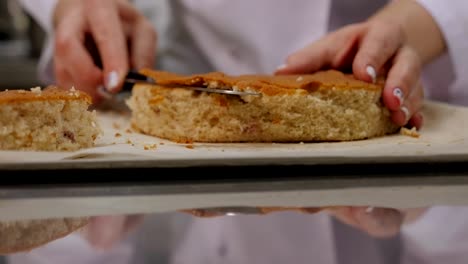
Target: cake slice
{"points": [[52, 119], [324, 106], [25, 235]]}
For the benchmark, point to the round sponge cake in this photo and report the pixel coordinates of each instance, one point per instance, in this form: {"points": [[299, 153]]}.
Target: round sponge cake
{"points": [[324, 106]]}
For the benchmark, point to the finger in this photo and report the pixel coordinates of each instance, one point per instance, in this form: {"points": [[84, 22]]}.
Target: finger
{"points": [[128, 12], [107, 30], [379, 222], [132, 222], [71, 57], [417, 120], [332, 51], [411, 105], [63, 78], [402, 78], [345, 215], [144, 44], [104, 231], [377, 47]]}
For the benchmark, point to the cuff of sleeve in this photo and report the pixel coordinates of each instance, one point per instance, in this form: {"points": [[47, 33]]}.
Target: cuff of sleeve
{"points": [[453, 22], [41, 11]]}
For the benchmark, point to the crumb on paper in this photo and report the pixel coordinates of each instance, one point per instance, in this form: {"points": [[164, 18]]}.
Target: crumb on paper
{"points": [[413, 132], [150, 146], [185, 141], [118, 135], [128, 130], [161, 143], [189, 146], [114, 143], [116, 125], [129, 141], [299, 79], [302, 143]]}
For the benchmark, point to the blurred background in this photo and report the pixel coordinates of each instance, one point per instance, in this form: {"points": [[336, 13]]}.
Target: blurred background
{"points": [[21, 41]]}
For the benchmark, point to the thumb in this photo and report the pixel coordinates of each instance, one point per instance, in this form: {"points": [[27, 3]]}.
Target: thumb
{"points": [[104, 231]]}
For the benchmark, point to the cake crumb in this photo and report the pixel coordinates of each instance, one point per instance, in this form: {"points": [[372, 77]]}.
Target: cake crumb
{"points": [[36, 90], [189, 146], [118, 135], [299, 79], [115, 125], [161, 143], [129, 131], [409, 132], [93, 124], [150, 146], [129, 142], [73, 89]]}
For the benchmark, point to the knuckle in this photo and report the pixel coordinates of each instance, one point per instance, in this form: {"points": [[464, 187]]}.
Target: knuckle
{"points": [[406, 82], [371, 57], [149, 29], [62, 42]]}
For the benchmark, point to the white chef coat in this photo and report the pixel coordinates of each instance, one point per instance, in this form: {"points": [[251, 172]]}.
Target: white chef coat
{"points": [[246, 36]]}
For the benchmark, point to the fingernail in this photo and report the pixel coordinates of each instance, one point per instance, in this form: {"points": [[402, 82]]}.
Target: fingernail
{"points": [[405, 111], [372, 73], [399, 95], [281, 67], [112, 81]]}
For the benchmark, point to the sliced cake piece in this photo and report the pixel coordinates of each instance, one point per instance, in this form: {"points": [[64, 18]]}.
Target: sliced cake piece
{"points": [[52, 119]]}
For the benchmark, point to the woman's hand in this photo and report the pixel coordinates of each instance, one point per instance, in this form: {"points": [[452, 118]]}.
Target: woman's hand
{"points": [[395, 42], [103, 232], [377, 222], [93, 32], [370, 49]]}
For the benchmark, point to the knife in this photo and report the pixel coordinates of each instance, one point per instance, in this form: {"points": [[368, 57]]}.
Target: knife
{"points": [[133, 77]]}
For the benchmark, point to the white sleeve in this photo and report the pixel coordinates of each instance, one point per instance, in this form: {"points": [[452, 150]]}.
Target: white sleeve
{"points": [[452, 18], [440, 236], [41, 11]]}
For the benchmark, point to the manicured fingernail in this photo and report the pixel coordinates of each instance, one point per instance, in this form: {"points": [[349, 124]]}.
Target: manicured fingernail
{"points": [[112, 81], [399, 95], [281, 67], [372, 73], [405, 111]]}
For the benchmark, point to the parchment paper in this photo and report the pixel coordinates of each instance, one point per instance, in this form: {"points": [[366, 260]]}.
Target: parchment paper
{"points": [[443, 137]]}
